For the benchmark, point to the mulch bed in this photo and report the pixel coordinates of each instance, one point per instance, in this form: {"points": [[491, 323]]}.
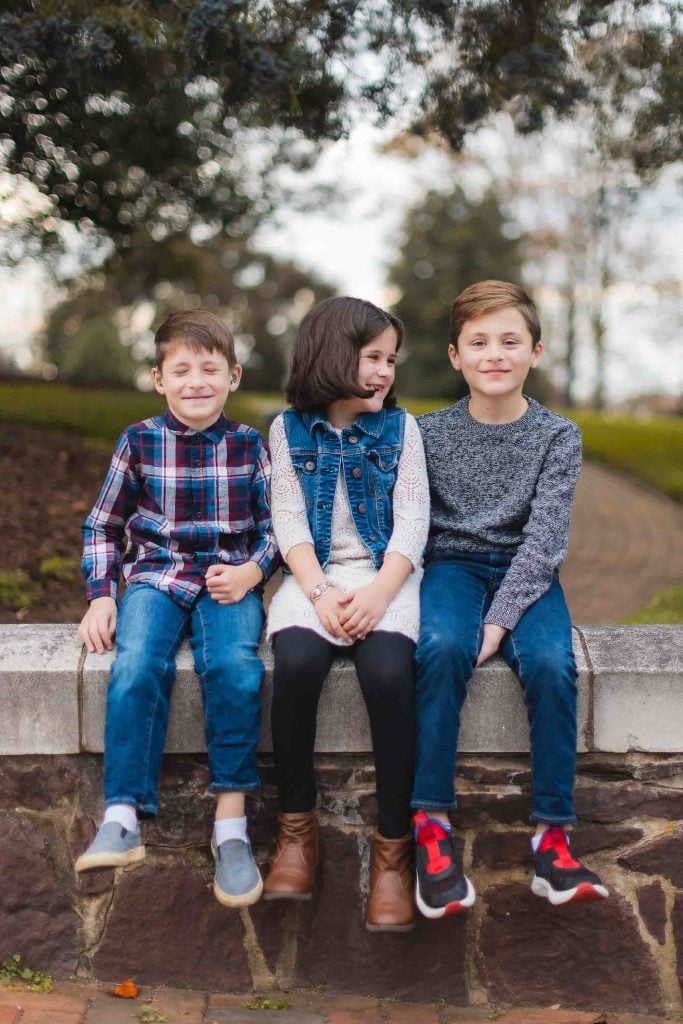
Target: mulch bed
{"points": [[50, 481]]}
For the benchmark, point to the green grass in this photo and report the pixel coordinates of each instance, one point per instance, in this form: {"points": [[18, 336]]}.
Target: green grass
{"points": [[102, 414], [651, 449], [646, 448], [666, 607]]}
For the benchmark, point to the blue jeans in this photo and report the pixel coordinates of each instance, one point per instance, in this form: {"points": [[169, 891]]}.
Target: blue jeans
{"points": [[455, 598], [224, 640]]}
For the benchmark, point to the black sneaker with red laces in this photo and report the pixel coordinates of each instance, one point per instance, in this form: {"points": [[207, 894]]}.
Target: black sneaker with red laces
{"points": [[559, 878], [441, 887]]}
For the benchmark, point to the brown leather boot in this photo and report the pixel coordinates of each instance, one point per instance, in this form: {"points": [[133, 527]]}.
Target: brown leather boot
{"points": [[296, 856], [391, 907]]}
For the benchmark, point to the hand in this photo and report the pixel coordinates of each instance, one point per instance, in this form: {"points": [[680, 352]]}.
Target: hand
{"points": [[363, 610], [98, 625], [330, 607], [228, 584], [493, 638]]}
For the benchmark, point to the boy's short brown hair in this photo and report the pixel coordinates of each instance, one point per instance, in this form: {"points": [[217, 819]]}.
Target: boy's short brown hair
{"points": [[487, 296], [327, 350], [199, 330]]}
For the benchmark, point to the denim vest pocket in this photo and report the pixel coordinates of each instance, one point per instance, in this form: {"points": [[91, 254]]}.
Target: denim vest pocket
{"points": [[383, 468]]}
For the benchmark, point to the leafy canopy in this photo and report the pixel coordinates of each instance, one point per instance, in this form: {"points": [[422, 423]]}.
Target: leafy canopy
{"points": [[169, 117]]}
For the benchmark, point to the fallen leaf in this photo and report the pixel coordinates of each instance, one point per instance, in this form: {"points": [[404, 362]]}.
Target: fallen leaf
{"points": [[127, 989]]}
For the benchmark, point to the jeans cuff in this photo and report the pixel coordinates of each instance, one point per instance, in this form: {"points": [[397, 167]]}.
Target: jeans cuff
{"points": [[547, 819], [233, 787], [144, 810], [432, 805]]}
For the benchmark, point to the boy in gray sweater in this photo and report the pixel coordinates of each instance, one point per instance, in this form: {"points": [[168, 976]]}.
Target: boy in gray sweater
{"points": [[502, 472]]}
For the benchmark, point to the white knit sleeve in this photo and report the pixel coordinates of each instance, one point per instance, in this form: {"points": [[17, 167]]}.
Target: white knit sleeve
{"points": [[290, 521], [411, 497]]}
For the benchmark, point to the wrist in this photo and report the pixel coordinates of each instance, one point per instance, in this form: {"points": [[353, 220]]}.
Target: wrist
{"points": [[319, 588]]}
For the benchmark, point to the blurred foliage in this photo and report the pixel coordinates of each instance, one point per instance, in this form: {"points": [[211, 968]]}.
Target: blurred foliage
{"points": [[162, 118], [651, 449], [262, 299], [666, 607], [60, 568], [18, 592], [449, 242], [102, 414]]}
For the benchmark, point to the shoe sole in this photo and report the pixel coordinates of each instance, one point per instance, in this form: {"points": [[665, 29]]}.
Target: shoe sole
{"points": [[244, 900], [454, 907], [90, 861], [586, 892], [390, 927]]}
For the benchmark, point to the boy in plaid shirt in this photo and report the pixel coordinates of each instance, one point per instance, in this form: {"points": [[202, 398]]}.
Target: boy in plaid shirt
{"points": [[184, 514]]}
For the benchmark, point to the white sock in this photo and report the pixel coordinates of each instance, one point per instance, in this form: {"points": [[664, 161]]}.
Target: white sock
{"points": [[124, 814], [230, 828], [536, 840]]}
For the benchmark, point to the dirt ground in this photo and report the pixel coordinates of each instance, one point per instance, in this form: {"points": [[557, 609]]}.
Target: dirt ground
{"points": [[624, 546]]}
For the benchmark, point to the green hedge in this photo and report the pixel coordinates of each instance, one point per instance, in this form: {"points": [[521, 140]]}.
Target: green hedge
{"points": [[647, 448]]}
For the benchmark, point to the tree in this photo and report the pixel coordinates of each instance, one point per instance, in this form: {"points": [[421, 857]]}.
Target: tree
{"points": [[262, 300], [165, 118], [449, 242]]}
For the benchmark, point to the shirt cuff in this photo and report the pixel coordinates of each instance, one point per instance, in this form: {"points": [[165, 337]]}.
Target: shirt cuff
{"points": [[101, 588], [267, 563], [505, 614], [412, 556]]}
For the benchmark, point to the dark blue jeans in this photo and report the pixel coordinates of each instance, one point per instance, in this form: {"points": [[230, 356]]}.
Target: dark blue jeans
{"points": [[455, 598], [224, 640]]}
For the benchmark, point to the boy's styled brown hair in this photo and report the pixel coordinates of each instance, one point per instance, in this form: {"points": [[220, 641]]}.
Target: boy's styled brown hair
{"points": [[487, 296], [326, 350], [199, 330]]}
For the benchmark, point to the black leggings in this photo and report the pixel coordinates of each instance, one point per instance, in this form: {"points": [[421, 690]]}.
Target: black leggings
{"points": [[384, 665]]}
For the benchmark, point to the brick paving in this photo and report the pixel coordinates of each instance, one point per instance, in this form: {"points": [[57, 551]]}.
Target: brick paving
{"points": [[624, 546], [74, 1003]]}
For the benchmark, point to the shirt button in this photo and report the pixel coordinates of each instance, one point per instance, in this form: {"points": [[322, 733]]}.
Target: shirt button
{"points": [[310, 466], [357, 472], [361, 508], [353, 439]]}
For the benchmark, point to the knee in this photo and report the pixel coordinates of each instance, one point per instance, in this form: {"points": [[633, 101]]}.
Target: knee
{"points": [[550, 672], [238, 668], [445, 649]]}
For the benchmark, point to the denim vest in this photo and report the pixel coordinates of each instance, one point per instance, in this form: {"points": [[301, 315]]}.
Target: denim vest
{"points": [[368, 452]]}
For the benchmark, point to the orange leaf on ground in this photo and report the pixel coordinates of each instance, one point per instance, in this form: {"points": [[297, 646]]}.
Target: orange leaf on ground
{"points": [[127, 989]]}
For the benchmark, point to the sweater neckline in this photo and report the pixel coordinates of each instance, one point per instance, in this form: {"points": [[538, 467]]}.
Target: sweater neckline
{"points": [[462, 408]]}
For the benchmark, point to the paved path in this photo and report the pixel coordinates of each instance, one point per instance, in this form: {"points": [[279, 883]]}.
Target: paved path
{"points": [[625, 545], [80, 1004]]}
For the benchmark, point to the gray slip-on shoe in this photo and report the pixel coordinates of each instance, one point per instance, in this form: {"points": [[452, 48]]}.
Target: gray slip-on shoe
{"points": [[113, 847], [237, 882]]}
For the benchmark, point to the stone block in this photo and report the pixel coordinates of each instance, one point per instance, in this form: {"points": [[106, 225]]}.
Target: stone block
{"points": [[36, 918], [165, 926], [638, 680], [662, 857], [336, 951], [38, 689], [589, 957], [652, 909]]}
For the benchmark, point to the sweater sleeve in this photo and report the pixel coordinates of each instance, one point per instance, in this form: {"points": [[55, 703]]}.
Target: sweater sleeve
{"points": [[546, 533], [411, 498], [290, 520]]}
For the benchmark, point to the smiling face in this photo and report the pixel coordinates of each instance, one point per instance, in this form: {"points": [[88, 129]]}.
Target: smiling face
{"points": [[195, 383], [495, 353], [376, 372]]}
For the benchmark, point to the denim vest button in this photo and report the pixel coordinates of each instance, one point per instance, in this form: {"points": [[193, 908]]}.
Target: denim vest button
{"points": [[361, 507], [372, 537], [357, 472], [353, 439], [310, 466]]}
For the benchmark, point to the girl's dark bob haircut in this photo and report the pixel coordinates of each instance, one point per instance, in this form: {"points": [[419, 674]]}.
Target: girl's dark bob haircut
{"points": [[326, 351]]}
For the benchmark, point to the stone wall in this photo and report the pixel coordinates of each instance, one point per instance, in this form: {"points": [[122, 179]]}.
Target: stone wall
{"points": [[159, 921]]}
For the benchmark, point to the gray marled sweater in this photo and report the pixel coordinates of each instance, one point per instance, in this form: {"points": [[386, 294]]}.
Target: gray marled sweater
{"points": [[503, 487]]}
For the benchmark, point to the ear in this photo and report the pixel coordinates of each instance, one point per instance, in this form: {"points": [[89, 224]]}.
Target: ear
{"points": [[235, 377], [537, 353], [454, 357], [157, 381]]}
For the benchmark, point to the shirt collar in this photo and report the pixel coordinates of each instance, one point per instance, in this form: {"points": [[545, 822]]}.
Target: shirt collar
{"points": [[214, 433], [370, 423]]}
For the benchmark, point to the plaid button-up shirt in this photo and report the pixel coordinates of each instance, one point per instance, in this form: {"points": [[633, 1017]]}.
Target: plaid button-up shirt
{"points": [[174, 502]]}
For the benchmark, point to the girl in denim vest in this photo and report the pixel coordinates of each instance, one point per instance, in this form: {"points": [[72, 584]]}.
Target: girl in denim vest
{"points": [[351, 514]]}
